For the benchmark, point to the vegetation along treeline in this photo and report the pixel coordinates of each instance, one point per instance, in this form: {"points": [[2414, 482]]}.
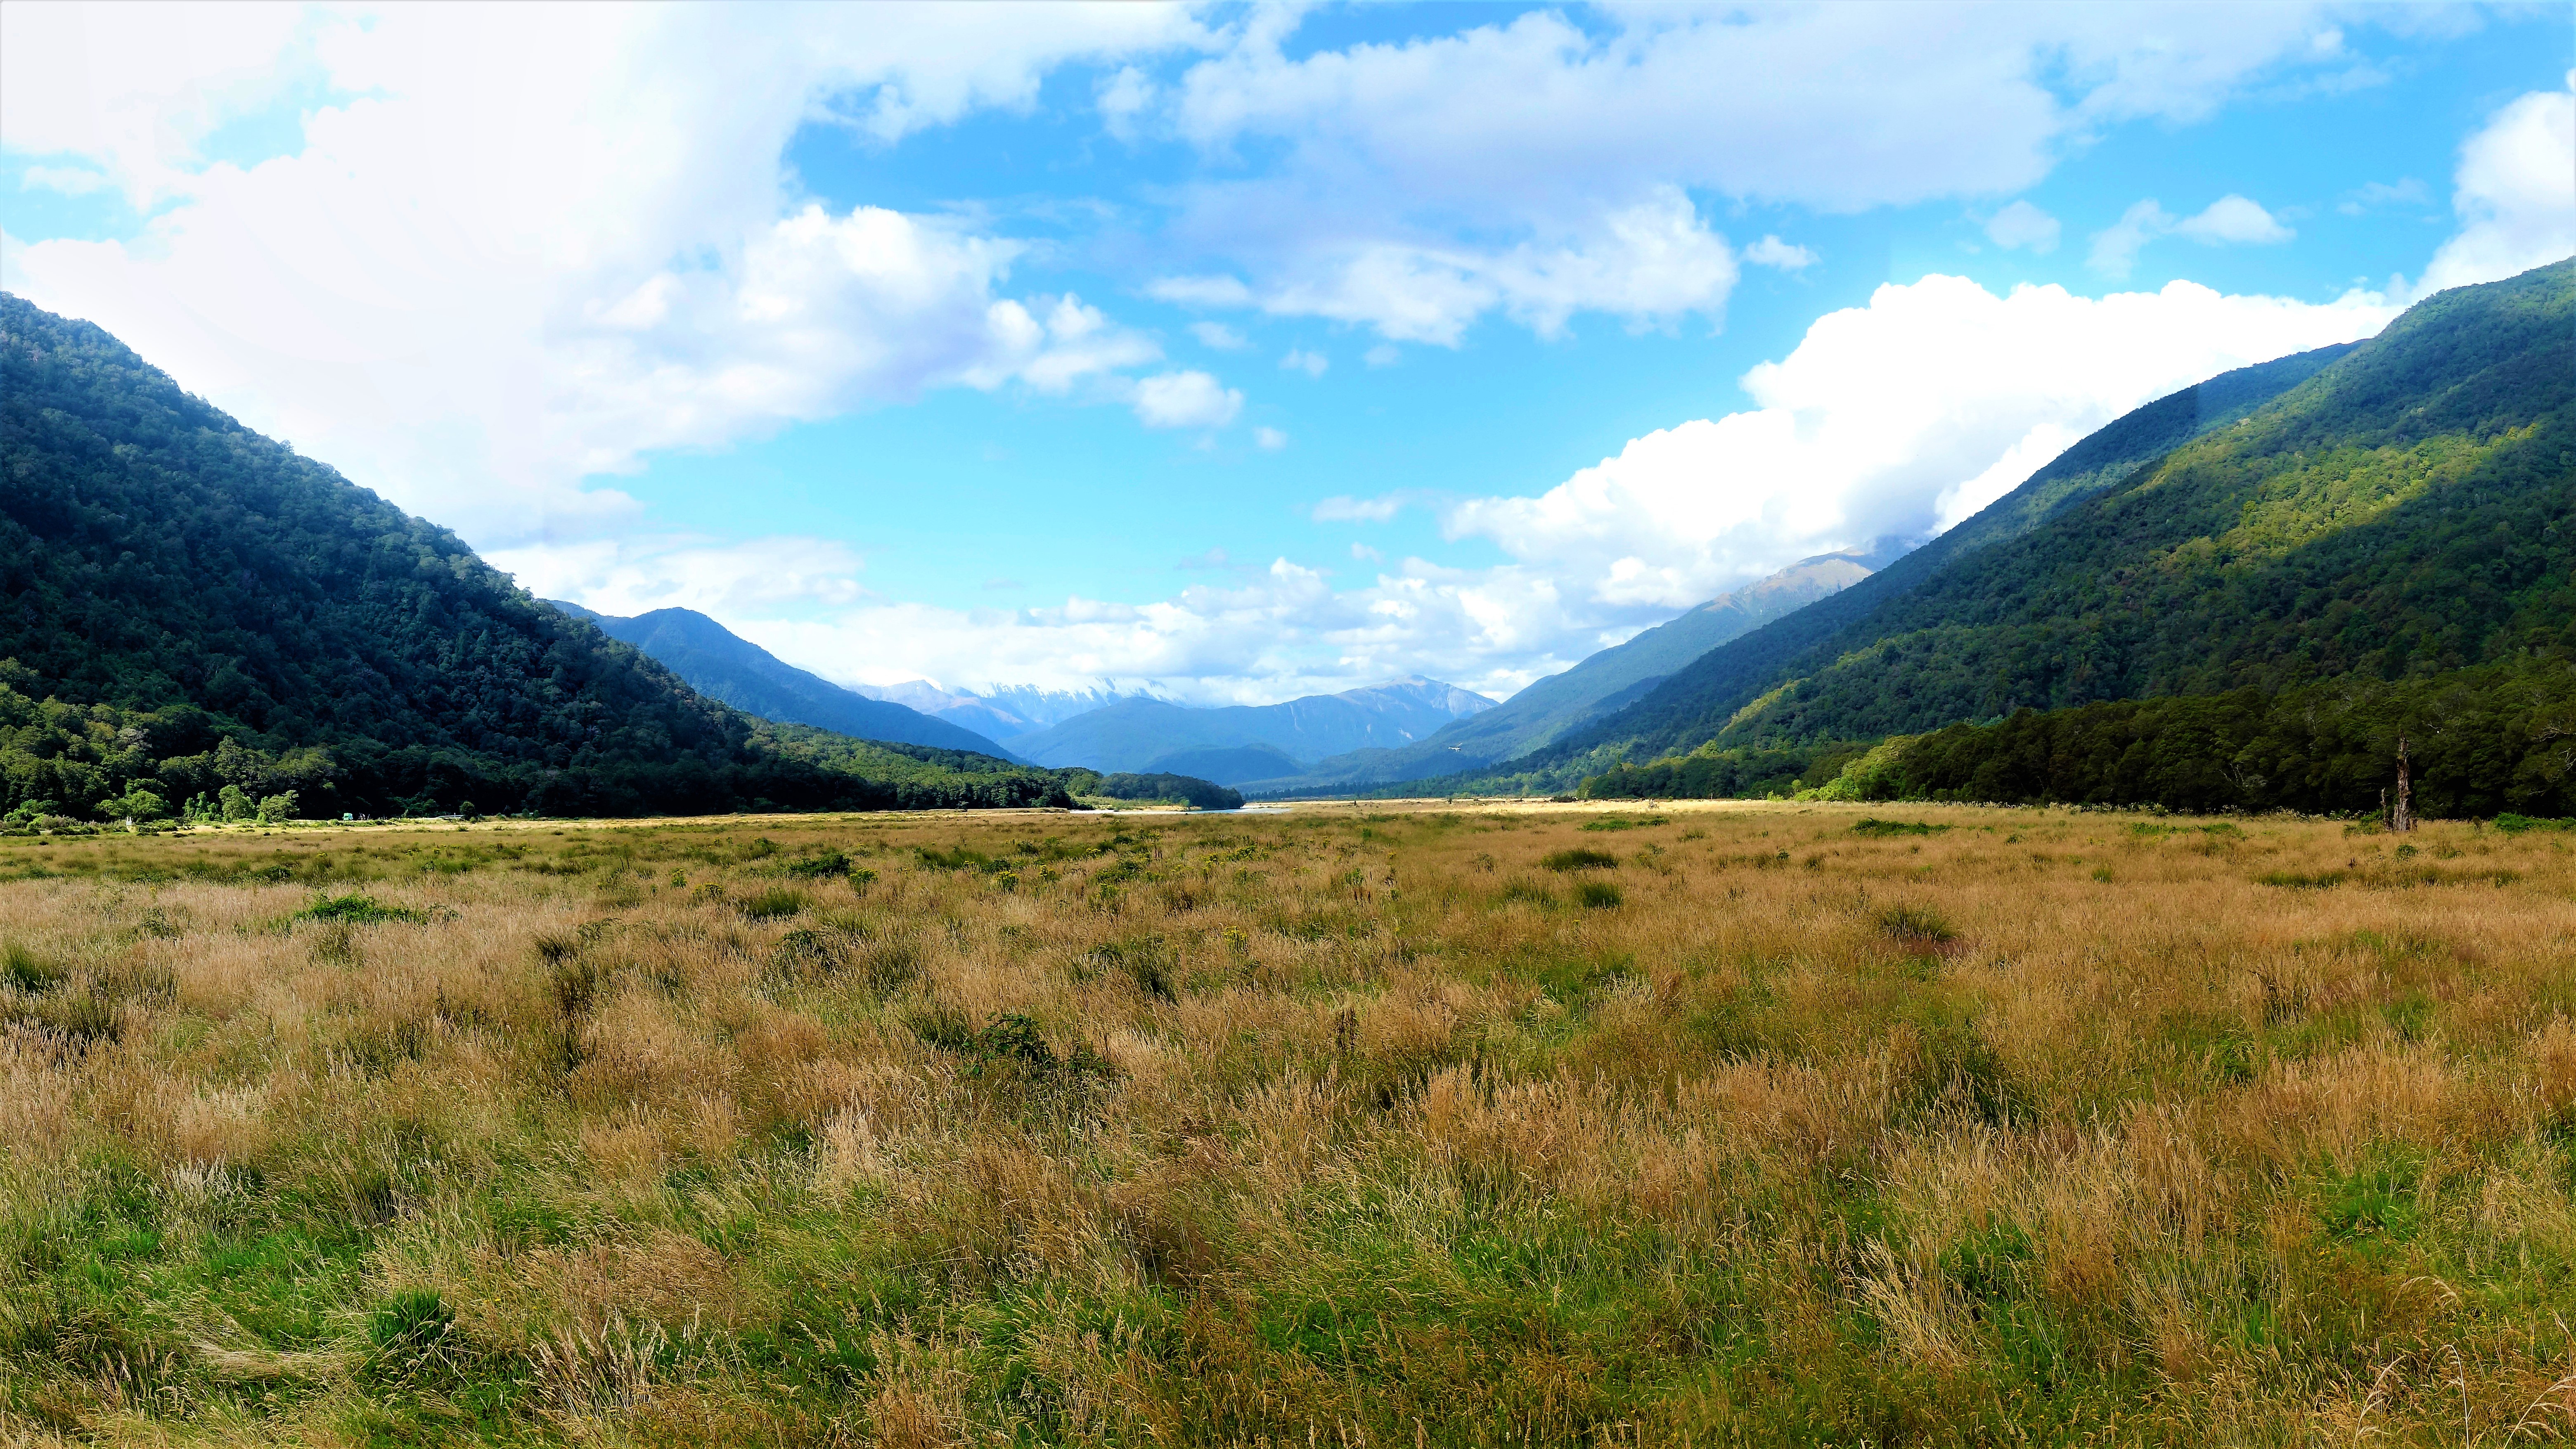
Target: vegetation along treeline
{"points": [[2500, 739], [187, 608]]}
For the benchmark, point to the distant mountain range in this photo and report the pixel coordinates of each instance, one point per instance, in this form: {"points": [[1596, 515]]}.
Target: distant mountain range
{"points": [[1602, 683], [1157, 736], [1002, 713], [723, 665]]}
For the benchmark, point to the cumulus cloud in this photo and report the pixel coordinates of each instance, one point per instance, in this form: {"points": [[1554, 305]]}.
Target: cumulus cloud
{"points": [[2023, 225], [1299, 359], [1185, 400], [1647, 264], [1219, 336], [1891, 419], [472, 306], [1378, 161], [2515, 194], [1773, 252], [2405, 191], [640, 574], [2226, 221], [1269, 439], [1346, 509]]}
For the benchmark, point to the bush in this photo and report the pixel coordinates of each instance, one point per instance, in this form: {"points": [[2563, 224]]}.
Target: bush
{"points": [[1916, 926], [1598, 894], [356, 910], [772, 904], [1881, 829]]}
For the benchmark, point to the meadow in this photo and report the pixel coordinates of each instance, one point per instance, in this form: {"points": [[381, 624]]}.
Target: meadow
{"points": [[1397, 1125]]}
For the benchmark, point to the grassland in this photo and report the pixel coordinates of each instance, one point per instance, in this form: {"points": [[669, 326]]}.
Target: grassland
{"points": [[1768, 1124]]}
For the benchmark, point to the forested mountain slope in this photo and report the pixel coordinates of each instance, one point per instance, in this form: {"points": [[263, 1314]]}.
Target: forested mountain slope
{"points": [[2403, 511], [190, 605], [722, 665]]}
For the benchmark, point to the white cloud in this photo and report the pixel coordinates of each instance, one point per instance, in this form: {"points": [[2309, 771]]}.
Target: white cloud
{"points": [[2023, 225], [639, 575], [2233, 220], [2405, 191], [1270, 439], [2229, 220], [1185, 400], [1649, 264], [1894, 418], [1122, 98], [2515, 194], [1218, 336], [1358, 510], [1773, 252], [1310, 363], [472, 305], [1385, 354]]}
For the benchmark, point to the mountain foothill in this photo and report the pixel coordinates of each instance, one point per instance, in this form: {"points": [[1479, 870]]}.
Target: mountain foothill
{"points": [[2244, 595]]}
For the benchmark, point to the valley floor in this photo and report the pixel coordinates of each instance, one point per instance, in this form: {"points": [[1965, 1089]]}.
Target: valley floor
{"points": [[1338, 1125]]}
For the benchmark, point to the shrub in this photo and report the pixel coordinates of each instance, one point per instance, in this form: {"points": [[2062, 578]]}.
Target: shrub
{"points": [[772, 904], [1881, 829], [821, 865], [1916, 926], [356, 910]]}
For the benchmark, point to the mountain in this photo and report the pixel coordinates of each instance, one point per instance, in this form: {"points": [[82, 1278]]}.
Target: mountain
{"points": [[1600, 684], [1002, 713], [1227, 764], [190, 609], [2404, 513], [722, 665], [1135, 733]]}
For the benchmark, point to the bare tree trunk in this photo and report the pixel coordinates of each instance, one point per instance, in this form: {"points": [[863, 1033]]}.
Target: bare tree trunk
{"points": [[2403, 818]]}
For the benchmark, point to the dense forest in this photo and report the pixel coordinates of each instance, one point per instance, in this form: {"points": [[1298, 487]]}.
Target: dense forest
{"points": [[189, 609], [2403, 512]]}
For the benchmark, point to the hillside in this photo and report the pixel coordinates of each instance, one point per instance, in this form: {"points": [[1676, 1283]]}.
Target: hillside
{"points": [[1600, 684], [1135, 733], [2396, 512], [722, 665], [186, 606]]}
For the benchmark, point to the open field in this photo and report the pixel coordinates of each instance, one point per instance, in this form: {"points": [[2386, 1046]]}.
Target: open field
{"points": [[1398, 1126]]}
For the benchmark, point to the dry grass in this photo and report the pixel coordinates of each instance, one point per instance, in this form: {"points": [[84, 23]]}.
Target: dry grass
{"points": [[1324, 1127]]}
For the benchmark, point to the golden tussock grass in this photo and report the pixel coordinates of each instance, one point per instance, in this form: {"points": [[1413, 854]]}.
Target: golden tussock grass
{"points": [[1388, 1126]]}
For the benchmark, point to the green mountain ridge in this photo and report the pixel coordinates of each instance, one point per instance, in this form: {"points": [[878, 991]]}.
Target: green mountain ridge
{"points": [[188, 608], [724, 666], [2398, 509]]}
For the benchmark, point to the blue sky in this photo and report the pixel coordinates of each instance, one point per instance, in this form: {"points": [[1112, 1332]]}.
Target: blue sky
{"points": [[1240, 352]]}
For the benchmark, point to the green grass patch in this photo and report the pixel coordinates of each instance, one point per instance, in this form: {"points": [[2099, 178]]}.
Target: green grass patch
{"points": [[356, 910], [1579, 858]]}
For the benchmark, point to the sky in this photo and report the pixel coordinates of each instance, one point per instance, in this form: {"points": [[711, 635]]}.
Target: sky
{"points": [[1241, 353]]}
